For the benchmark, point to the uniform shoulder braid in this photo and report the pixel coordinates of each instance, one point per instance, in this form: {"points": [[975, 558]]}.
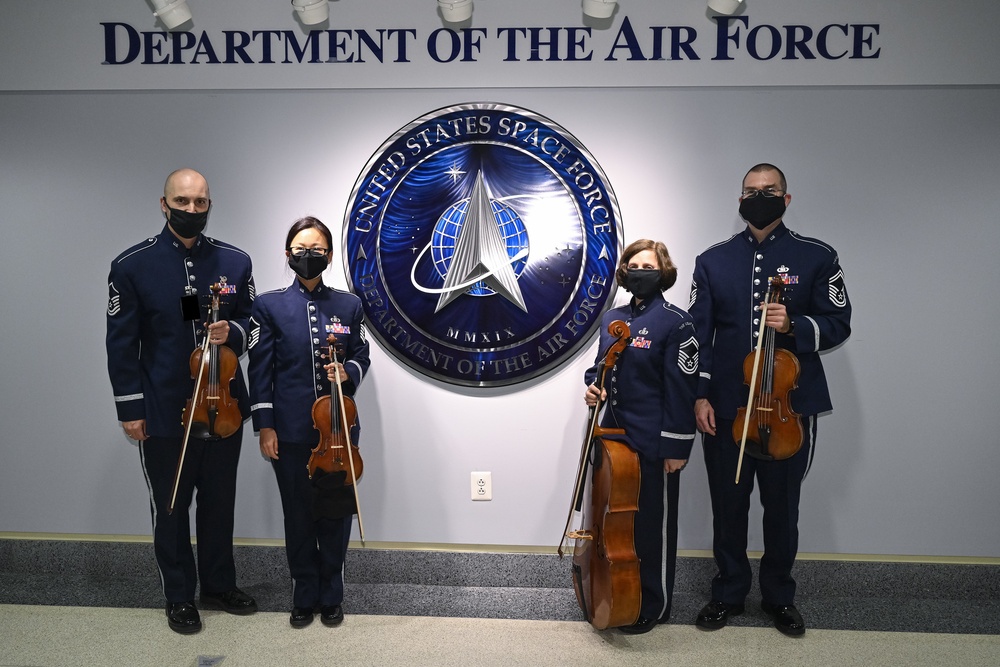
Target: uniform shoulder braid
{"points": [[132, 250]]}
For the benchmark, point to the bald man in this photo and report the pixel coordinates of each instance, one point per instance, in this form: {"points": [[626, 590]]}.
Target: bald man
{"points": [[159, 294]]}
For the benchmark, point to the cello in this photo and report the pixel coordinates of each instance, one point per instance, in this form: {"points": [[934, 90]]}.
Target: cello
{"points": [[605, 565], [334, 416], [212, 412], [768, 423]]}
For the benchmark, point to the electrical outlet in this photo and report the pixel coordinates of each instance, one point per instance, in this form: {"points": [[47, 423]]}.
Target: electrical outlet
{"points": [[482, 486]]}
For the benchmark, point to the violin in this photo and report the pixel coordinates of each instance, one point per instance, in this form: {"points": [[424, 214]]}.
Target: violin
{"points": [[334, 416], [605, 565], [212, 412], [215, 414], [768, 428]]}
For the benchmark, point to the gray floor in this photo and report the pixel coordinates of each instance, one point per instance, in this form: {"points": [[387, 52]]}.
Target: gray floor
{"points": [[74, 636], [98, 603]]}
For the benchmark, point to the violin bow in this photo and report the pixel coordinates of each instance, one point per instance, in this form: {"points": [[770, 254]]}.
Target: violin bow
{"points": [[581, 468], [753, 382], [350, 455], [622, 333], [189, 421]]}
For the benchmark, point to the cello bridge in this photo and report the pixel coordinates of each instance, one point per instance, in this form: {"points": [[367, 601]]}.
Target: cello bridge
{"points": [[579, 535]]}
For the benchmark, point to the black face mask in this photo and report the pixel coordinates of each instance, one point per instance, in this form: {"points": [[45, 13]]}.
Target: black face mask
{"points": [[187, 225], [643, 283], [307, 267], [761, 211]]}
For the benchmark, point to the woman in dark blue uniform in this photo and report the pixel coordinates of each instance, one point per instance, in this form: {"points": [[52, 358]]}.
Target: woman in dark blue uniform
{"points": [[652, 391], [288, 372]]}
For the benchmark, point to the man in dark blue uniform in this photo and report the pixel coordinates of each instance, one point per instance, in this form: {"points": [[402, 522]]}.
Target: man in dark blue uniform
{"points": [[159, 291], [730, 284]]}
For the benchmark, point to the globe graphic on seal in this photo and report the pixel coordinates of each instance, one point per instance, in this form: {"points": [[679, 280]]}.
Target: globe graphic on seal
{"points": [[512, 231]]}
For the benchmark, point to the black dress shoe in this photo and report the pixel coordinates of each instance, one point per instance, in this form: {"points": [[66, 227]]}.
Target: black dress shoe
{"points": [[331, 615], [641, 626], [716, 614], [786, 618], [301, 617], [183, 617], [234, 602]]}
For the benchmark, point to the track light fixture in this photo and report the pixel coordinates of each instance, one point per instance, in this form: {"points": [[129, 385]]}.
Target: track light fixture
{"points": [[725, 6], [171, 12], [311, 12], [455, 11], [599, 9]]}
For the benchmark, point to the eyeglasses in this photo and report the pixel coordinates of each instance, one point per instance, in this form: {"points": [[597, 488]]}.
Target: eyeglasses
{"points": [[310, 252], [750, 193]]}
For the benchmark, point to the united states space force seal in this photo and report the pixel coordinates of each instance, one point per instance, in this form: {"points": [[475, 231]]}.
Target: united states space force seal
{"points": [[482, 240]]}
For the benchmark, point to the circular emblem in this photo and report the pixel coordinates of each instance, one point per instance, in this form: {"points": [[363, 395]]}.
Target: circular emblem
{"points": [[483, 241]]}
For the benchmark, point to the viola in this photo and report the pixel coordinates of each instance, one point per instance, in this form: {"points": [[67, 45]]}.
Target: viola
{"points": [[605, 565], [768, 428], [334, 416], [212, 412]]}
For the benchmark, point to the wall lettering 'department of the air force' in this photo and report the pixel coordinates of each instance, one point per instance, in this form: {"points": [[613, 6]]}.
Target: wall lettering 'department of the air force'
{"points": [[483, 241]]}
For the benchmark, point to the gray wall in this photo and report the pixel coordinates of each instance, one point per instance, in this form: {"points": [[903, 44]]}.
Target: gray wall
{"points": [[901, 180]]}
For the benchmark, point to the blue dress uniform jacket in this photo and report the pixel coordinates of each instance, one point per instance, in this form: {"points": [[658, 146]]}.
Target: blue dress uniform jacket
{"points": [[651, 388], [730, 281], [288, 336], [289, 329], [651, 395], [149, 343]]}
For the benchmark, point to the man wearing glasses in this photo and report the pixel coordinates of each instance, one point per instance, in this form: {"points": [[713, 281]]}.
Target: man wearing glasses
{"points": [[731, 281], [159, 291]]}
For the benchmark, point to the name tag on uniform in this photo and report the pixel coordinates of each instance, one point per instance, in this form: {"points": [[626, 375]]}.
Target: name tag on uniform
{"points": [[189, 307]]}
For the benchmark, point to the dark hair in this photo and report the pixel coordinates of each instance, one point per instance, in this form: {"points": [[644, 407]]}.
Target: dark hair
{"points": [[764, 166], [668, 272], [308, 222]]}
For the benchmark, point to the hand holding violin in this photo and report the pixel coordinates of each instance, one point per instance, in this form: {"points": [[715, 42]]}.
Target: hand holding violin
{"points": [[777, 318], [218, 332], [335, 368], [592, 395]]}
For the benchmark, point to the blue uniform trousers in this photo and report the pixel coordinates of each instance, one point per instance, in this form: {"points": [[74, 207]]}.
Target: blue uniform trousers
{"points": [[656, 537], [210, 467], [780, 483], [316, 548]]}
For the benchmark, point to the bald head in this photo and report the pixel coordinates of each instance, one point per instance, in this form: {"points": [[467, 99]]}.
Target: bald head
{"points": [[185, 190], [185, 179]]}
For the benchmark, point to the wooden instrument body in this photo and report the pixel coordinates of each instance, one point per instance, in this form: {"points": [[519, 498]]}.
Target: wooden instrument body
{"points": [[216, 412], [330, 455], [768, 428], [605, 565]]}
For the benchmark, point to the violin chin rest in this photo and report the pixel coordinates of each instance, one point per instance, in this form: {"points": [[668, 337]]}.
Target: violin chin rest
{"points": [[200, 431]]}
